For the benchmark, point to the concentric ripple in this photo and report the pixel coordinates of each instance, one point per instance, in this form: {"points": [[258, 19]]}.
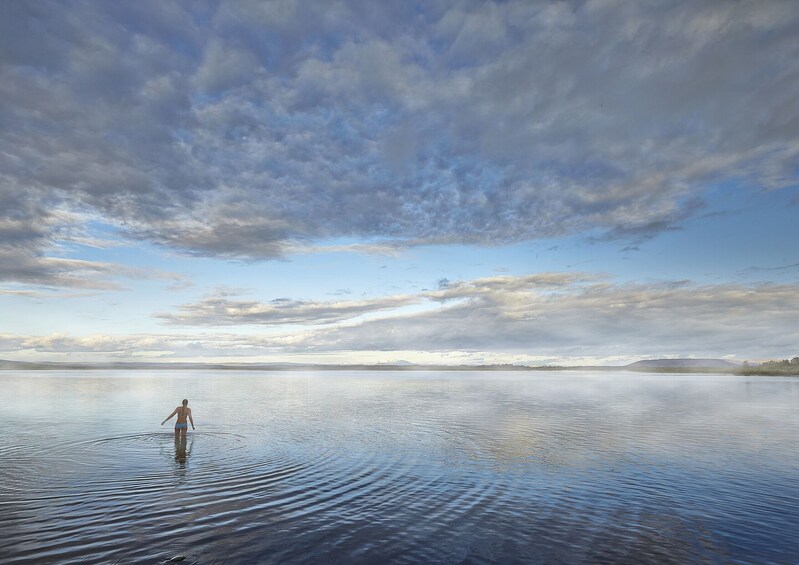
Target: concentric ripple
{"points": [[391, 469]]}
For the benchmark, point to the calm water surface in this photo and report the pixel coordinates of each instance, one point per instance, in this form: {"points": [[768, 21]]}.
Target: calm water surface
{"points": [[379, 467]]}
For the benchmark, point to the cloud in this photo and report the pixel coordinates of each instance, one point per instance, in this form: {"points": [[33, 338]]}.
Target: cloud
{"points": [[555, 316], [52, 271], [639, 233], [589, 318], [137, 346], [506, 285], [35, 231], [779, 269], [57, 272], [254, 130], [21, 292], [224, 311]]}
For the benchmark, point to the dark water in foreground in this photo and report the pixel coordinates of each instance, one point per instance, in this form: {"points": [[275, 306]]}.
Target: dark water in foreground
{"points": [[399, 468]]}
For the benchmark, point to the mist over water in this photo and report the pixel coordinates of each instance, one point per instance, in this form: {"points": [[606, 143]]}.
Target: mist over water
{"points": [[384, 467]]}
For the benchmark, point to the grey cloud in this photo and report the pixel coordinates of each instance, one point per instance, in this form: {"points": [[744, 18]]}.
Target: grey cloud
{"points": [[779, 269], [253, 130], [21, 292], [57, 272], [143, 346], [29, 255], [508, 284], [340, 292], [592, 319], [135, 345], [638, 233], [221, 308], [23, 261], [500, 317], [35, 269], [225, 311]]}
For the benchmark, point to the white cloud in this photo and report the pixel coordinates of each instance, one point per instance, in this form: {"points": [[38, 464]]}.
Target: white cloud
{"points": [[549, 317], [221, 310]]}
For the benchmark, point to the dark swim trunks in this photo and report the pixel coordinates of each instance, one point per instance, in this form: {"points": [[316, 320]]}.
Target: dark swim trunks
{"points": [[181, 426]]}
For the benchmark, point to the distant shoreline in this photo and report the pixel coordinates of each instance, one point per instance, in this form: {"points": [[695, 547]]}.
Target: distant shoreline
{"points": [[635, 367]]}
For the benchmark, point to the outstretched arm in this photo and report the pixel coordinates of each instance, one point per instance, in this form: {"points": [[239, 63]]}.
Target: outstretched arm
{"points": [[191, 419], [175, 411]]}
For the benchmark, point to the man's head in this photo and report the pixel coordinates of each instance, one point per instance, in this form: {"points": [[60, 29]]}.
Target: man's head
{"points": [[185, 402]]}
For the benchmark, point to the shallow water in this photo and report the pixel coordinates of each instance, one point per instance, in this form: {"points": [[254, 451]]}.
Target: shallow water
{"points": [[383, 467]]}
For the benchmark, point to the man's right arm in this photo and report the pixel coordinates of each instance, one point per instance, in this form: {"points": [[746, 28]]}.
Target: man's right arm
{"points": [[175, 411]]}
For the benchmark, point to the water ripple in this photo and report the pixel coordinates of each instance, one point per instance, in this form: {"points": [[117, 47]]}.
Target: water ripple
{"points": [[436, 471]]}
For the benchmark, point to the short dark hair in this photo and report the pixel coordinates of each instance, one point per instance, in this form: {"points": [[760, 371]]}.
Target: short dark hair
{"points": [[185, 402]]}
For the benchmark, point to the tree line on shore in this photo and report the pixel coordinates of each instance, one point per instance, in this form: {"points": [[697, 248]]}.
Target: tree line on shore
{"points": [[781, 367]]}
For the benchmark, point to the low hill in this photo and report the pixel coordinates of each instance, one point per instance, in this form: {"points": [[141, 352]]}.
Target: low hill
{"points": [[682, 364], [4, 364]]}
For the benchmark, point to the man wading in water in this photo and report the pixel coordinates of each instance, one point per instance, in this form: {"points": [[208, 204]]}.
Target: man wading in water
{"points": [[181, 427]]}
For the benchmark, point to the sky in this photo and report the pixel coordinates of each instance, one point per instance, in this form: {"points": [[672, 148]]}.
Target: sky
{"points": [[587, 182]]}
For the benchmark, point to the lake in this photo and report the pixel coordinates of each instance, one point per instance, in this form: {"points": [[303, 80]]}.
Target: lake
{"points": [[399, 467]]}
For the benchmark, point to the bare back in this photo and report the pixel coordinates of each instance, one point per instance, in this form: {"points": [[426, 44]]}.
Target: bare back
{"points": [[183, 413]]}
